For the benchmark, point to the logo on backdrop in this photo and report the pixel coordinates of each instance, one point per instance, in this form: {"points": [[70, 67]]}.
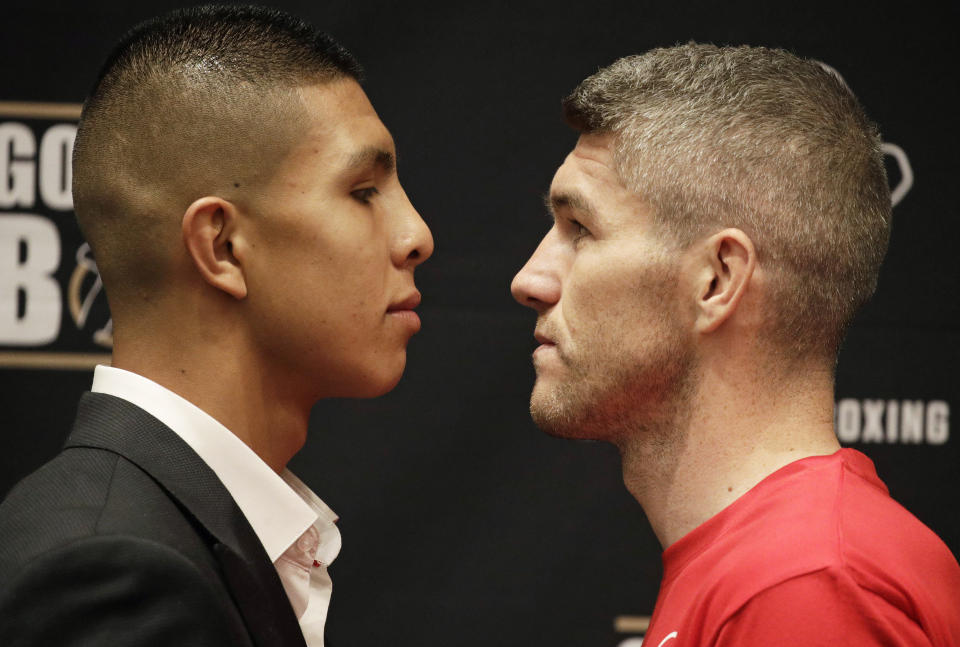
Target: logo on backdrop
{"points": [[53, 313], [906, 422], [893, 152], [892, 422], [82, 295]]}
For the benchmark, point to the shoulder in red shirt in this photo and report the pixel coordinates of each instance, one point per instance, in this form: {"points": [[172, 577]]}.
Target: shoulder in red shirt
{"points": [[815, 554]]}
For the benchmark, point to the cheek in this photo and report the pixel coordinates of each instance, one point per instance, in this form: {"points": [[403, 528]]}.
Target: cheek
{"points": [[598, 295], [353, 276], [618, 298]]}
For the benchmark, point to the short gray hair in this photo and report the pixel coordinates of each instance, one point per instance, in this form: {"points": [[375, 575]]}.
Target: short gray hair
{"points": [[764, 141]]}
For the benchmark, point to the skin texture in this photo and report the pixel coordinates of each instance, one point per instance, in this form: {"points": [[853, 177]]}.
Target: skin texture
{"points": [[298, 289], [604, 285], [332, 248], [656, 348]]}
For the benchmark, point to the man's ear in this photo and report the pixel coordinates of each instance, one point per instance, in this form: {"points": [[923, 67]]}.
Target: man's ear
{"points": [[208, 226], [727, 265]]}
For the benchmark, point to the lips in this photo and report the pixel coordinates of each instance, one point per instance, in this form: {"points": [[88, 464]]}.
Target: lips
{"points": [[402, 311], [408, 303], [543, 339]]}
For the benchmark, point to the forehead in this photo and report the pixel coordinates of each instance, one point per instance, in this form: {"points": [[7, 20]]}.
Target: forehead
{"points": [[588, 181], [341, 126], [592, 156]]}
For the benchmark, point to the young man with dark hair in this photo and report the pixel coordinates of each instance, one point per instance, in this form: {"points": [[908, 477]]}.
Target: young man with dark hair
{"points": [[721, 219], [240, 196]]}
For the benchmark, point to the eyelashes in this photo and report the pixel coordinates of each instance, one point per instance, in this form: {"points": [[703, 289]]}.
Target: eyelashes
{"points": [[364, 195], [578, 230]]}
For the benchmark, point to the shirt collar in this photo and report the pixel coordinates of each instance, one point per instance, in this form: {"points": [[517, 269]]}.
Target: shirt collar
{"points": [[279, 507]]}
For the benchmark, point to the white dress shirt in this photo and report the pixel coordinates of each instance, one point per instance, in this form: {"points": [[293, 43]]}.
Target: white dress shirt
{"points": [[296, 528]]}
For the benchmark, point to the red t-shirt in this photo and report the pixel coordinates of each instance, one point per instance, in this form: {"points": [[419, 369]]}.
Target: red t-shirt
{"points": [[815, 554]]}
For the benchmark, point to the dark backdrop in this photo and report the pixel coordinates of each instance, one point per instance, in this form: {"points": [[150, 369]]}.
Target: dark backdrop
{"points": [[462, 523]]}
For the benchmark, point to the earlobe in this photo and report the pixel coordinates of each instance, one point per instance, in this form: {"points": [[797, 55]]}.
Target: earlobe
{"points": [[208, 227], [728, 263]]}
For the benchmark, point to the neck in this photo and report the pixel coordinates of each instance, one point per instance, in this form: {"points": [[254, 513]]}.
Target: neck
{"points": [[221, 376], [734, 432]]}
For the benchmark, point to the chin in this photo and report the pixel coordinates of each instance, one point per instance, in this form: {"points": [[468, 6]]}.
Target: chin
{"points": [[564, 411], [377, 383], [550, 413], [376, 390]]}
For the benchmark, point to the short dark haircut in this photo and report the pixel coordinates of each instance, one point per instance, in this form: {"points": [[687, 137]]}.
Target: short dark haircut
{"points": [[764, 141], [245, 43], [199, 101]]}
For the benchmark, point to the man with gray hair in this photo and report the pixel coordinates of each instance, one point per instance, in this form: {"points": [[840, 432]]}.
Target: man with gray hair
{"points": [[721, 219]]}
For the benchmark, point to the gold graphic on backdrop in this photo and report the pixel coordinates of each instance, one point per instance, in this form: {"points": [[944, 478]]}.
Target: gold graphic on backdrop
{"points": [[79, 304]]}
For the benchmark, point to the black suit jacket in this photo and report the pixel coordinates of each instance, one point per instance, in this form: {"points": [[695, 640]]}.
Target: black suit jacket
{"points": [[128, 538]]}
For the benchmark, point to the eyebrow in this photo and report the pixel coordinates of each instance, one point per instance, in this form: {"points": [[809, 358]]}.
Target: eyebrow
{"points": [[570, 200], [372, 156]]}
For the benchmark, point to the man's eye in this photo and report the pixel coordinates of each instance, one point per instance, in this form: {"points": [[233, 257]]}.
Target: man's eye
{"points": [[579, 231], [364, 195]]}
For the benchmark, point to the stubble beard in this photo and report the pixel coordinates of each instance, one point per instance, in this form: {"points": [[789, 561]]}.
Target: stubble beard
{"points": [[622, 400]]}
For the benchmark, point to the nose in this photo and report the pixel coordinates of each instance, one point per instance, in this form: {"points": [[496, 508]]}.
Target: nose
{"points": [[413, 242], [537, 284]]}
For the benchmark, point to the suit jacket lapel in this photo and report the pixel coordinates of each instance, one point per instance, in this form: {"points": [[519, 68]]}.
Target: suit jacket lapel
{"points": [[113, 424]]}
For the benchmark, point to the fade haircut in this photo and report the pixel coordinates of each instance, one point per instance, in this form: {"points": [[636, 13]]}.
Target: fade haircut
{"points": [[201, 101], [764, 141]]}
